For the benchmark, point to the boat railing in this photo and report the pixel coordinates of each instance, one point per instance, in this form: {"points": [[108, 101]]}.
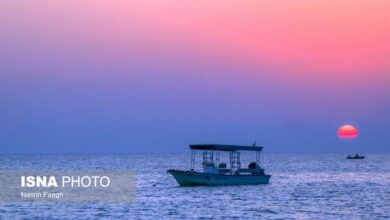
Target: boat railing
{"points": [[234, 167]]}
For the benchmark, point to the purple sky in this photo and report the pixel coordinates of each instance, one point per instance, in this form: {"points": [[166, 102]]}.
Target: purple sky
{"points": [[95, 78]]}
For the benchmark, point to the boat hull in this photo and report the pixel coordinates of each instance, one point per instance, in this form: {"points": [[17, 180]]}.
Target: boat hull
{"points": [[355, 158], [188, 178]]}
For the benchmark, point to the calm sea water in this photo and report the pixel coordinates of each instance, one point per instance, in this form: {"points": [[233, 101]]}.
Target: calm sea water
{"points": [[303, 186]]}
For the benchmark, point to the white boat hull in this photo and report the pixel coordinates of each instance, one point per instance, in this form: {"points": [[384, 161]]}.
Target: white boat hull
{"points": [[188, 178]]}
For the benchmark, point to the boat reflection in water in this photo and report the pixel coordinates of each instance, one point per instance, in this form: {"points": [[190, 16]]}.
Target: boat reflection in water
{"points": [[215, 173]]}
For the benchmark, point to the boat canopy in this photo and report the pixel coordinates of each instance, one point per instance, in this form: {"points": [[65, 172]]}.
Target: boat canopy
{"points": [[221, 147]]}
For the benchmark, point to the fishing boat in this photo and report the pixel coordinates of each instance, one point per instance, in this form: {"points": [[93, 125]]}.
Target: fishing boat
{"points": [[218, 173], [355, 157]]}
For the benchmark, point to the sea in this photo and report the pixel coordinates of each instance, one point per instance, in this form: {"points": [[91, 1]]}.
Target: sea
{"points": [[302, 186]]}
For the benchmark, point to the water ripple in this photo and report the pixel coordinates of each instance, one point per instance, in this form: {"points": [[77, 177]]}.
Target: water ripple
{"points": [[303, 186]]}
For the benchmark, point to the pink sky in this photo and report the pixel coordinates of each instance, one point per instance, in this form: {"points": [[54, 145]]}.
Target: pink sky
{"points": [[325, 35], [311, 37]]}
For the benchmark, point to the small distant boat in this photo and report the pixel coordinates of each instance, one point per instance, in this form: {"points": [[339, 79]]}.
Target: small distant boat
{"points": [[216, 173], [357, 156]]}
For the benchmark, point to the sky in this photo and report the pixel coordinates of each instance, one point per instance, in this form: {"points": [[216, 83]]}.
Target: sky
{"points": [[146, 76]]}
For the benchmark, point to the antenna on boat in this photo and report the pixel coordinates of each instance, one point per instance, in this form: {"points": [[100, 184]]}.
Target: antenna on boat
{"points": [[254, 144]]}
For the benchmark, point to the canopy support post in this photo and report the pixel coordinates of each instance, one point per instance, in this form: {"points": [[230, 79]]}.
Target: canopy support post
{"points": [[231, 160], [193, 159], [257, 162]]}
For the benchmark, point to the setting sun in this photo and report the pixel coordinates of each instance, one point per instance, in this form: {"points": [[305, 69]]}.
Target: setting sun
{"points": [[347, 131]]}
